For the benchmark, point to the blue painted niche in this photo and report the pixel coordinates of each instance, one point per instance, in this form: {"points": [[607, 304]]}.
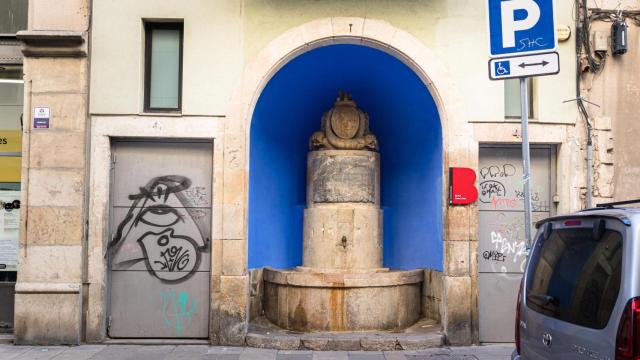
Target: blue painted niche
{"points": [[402, 115]]}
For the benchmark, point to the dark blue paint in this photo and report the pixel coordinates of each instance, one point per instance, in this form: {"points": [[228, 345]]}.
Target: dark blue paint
{"points": [[403, 116]]}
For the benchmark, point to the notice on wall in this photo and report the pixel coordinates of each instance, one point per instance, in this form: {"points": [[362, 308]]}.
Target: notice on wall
{"points": [[9, 229], [41, 117]]}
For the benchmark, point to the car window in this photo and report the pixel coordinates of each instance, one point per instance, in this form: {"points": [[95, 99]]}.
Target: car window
{"points": [[576, 277]]}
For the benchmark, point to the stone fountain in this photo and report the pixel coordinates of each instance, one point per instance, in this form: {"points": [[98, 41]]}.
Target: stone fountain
{"points": [[342, 284]]}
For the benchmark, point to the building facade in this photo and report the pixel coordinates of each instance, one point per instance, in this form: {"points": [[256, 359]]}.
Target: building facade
{"points": [[183, 131]]}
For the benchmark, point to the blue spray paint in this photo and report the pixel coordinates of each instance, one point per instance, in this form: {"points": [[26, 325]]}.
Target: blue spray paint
{"points": [[177, 310]]}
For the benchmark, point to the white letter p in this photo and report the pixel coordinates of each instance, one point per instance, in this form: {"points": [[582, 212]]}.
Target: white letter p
{"points": [[510, 25]]}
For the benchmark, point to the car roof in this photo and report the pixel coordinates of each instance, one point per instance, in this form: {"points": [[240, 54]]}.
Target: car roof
{"points": [[626, 215]]}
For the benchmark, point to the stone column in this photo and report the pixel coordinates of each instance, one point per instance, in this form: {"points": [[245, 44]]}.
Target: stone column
{"points": [[49, 290]]}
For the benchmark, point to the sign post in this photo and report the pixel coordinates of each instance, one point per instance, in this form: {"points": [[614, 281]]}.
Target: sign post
{"points": [[526, 158], [522, 40]]}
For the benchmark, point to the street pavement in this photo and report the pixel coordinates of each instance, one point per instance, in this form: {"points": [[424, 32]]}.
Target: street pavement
{"points": [[180, 352]]}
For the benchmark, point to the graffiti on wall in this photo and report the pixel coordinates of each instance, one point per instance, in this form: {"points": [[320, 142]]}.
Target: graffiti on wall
{"points": [[163, 229]]}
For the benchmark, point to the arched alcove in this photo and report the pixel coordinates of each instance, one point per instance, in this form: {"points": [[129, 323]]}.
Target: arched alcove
{"points": [[403, 116]]}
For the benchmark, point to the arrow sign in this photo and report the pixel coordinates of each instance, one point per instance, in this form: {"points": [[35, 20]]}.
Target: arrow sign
{"points": [[543, 63], [524, 66]]}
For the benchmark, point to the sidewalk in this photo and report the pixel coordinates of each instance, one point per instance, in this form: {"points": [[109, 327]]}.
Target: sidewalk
{"points": [[180, 352]]}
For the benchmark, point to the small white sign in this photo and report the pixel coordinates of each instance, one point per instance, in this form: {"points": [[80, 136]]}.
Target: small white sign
{"points": [[41, 118], [524, 66]]}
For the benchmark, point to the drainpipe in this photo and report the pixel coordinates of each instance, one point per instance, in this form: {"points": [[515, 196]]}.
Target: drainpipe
{"points": [[87, 188], [580, 102]]}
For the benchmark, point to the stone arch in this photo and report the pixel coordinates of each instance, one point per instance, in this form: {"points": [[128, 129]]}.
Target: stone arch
{"points": [[459, 148]]}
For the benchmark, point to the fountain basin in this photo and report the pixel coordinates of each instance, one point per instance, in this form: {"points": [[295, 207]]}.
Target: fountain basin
{"points": [[342, 301]]}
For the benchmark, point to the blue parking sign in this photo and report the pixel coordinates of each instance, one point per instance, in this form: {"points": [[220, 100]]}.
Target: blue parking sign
{"points": [[521, 26]]}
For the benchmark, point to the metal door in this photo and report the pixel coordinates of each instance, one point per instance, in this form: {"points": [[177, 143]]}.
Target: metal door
{"points": [[160, 251], [501, 248]]}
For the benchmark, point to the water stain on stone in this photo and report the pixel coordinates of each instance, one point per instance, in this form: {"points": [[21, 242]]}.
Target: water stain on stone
{"points": [[299, 320], [336, 310]]}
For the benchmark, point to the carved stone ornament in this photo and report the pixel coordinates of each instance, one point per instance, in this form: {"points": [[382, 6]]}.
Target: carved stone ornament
{"points": [[344, 127]]}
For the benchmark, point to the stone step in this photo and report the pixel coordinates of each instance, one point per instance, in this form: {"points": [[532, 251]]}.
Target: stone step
{"points": [[418, 337]]}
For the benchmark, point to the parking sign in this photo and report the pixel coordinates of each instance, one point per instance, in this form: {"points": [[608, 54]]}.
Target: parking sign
{"points": [[521, 27]]}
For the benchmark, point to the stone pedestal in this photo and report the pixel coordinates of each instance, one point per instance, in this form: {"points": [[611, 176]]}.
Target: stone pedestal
{"points": [[342, 285], [343, 220]]}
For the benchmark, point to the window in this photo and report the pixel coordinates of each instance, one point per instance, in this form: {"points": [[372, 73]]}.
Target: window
{"points": [[163, 66], [11, 100], [576, 277], [13, 16], [512, 98]]}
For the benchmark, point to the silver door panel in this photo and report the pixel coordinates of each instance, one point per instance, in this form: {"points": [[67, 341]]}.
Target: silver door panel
{"points": [[148, 308], [159, 249]]}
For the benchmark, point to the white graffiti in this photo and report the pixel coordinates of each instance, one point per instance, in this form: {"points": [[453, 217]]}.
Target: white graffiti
{"points": [[516, 248]]}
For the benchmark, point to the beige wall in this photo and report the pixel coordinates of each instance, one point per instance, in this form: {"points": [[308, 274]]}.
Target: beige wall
{"points": [[231, 48], [454, 29], [222, 36], [212, 59], [615, 90]]}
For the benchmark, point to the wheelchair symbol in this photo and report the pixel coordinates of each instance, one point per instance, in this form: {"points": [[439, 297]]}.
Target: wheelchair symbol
{"points": [[502, 68]]}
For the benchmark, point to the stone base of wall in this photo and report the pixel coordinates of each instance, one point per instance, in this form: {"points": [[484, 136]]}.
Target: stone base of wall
{"points": [[47, 314], [432, 295]]}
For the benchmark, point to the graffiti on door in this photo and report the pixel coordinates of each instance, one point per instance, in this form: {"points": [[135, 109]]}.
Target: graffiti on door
{"points": [[170, 233], [178, 310]]}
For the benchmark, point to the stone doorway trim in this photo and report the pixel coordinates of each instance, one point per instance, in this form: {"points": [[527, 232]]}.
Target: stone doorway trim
{"points": [[458, 309]]}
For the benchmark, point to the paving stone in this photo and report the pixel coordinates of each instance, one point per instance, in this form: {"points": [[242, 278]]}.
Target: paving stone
{"points": [[120, 352], [170, 352], [152, 352], [40, 353], [224, 350], [294, 355], [258, 354], [219, 357], [394, 355], [11, 351], [366, 355], [330, 355], [222, 353], [82, 352], [184, 352]]}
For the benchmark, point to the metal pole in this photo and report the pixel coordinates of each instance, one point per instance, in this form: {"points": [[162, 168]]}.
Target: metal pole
{"points": [[526, 176], [589, 171]]}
